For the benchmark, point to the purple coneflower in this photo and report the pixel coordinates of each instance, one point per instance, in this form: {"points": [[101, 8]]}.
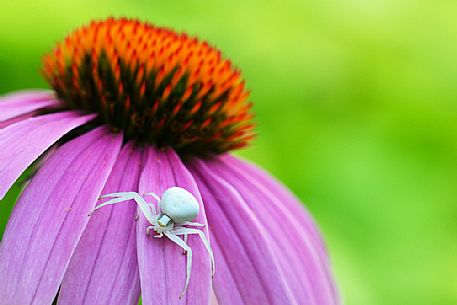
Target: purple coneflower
{"points": [[138, 108]]}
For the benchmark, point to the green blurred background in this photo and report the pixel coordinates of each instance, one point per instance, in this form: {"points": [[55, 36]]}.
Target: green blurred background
{"points": [[356, 112]]}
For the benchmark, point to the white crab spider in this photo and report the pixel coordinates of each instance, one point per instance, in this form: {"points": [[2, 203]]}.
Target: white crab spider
{"points": [[177, 208]]}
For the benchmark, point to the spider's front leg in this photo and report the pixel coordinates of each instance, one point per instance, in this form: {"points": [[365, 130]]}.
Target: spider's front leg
{"points": [[174, 238], [148, 209], [117, 197]]}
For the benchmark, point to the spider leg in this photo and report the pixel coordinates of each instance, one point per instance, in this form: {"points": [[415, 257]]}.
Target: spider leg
{"points": [[156, 197], [194, 224], [186, 231], [185, 240], [183, 245], [147, 209], [117, 198], [120, 194], [148, 230]]}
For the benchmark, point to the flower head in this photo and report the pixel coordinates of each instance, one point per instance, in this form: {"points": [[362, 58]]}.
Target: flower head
{"points": [[129, 100], [159, 86]]}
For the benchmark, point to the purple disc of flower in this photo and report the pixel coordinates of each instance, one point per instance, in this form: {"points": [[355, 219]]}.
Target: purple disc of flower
{"points": [[140, 109]]}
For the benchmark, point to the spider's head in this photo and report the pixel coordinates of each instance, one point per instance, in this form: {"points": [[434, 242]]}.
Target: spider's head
{"points": [[179, 205], [164, 221]]}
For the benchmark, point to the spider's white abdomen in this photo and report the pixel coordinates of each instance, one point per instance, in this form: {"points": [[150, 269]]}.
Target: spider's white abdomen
{"points": [[179, 204]]}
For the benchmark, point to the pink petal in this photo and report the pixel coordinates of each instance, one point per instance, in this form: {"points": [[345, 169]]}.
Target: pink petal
{"points": [[50, 217], [289, 261], [24, 142], [162, 263], [104, 267], [15, 120], [305, 265], [16, 104], [248, 267], [291, 204]]}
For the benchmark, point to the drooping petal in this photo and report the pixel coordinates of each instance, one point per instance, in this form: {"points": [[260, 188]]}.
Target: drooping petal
{"points": [[305, 264], [248, 270], [288, 261], [50, 217], [291, 204], [24, 142], [23, 102], [104, 267], [290, 201], [161, 262]]}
